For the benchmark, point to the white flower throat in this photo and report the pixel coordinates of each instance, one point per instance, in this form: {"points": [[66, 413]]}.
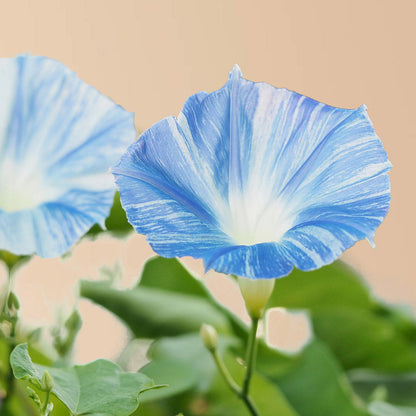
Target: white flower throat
{"points": [[22, 189], [256, 217]]}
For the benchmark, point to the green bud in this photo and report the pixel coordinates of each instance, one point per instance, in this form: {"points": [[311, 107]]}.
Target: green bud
{"points": [[33, 395], [47, 381], [35, 382], [12, 302], [74, 322], [256, 294], [209, 337]]}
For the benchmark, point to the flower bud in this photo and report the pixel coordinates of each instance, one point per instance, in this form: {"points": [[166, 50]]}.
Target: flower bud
{"points": [[47, 381], [209, 337], [33, 395], [34, 381], [12, 302], [74, 322], [256, 294]]}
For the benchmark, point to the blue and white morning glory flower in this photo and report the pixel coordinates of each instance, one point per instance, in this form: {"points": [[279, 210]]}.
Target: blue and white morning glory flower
{"points": [[58, 139], [256, 180]]}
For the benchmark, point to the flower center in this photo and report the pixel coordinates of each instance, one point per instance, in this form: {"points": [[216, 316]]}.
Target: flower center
{"points": [[21, 189], [17, 198], [255, 219]]}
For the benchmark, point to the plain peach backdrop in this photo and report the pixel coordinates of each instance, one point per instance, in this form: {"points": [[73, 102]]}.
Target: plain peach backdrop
{"points": [[149, 56]]}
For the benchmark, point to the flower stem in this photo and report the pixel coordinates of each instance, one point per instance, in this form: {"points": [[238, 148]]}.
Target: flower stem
{"points": [[44, 410], [251, 356], [6, 316], [235, 388], [241, 393]]}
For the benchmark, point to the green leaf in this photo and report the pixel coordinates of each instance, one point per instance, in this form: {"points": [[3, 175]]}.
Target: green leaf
{"points": [[206, 388], [361, 331], [362, 339], [188, 351], [116, 222], [152, 313], [312, 384], [315, 385], [267, 396], [385, 409], [399, 389], [170, 275], [98, 388], [330, 286], [178, 377]]}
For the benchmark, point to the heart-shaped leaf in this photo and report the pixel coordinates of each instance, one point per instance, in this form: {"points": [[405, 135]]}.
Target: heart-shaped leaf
{"points": [[98, 388]]}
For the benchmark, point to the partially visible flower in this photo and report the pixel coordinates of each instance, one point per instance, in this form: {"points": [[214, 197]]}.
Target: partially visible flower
{"points": [[58, 139], [256, 180]]}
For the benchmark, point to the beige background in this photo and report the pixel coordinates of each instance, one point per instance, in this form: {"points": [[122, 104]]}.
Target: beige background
{"points": [[149, 56]]}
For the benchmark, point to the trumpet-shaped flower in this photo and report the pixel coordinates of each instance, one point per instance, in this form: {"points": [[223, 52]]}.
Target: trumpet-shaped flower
{"points": [[256, 180], [58, 139]]}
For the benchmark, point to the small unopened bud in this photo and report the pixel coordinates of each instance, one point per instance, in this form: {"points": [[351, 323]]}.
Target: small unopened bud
{"points": [[47, 381], [33, 395], [256, 294], [12, 302], [35, 382], [74, 322], [209, 337]]}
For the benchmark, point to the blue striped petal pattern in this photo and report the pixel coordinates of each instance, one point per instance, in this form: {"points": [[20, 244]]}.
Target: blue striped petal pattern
{"points": [[58, 139], [256, 180]]}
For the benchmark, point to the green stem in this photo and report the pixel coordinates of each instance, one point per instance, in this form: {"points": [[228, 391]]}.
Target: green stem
{"points": [[250, 406], [9, 289], [46, 402], [9, 391], [264, 327], [234, 387], [251, 355], [10, 381]]}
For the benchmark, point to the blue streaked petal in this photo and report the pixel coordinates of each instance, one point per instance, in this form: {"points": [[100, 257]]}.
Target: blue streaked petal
{"points": [[49, 230], [8, 81], [58, 139], [274, 180], [259, 261], [315, 244], [173, 227]]}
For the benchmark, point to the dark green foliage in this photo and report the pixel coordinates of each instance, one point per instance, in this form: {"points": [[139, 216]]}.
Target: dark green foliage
{"points": [[352, 330]]}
